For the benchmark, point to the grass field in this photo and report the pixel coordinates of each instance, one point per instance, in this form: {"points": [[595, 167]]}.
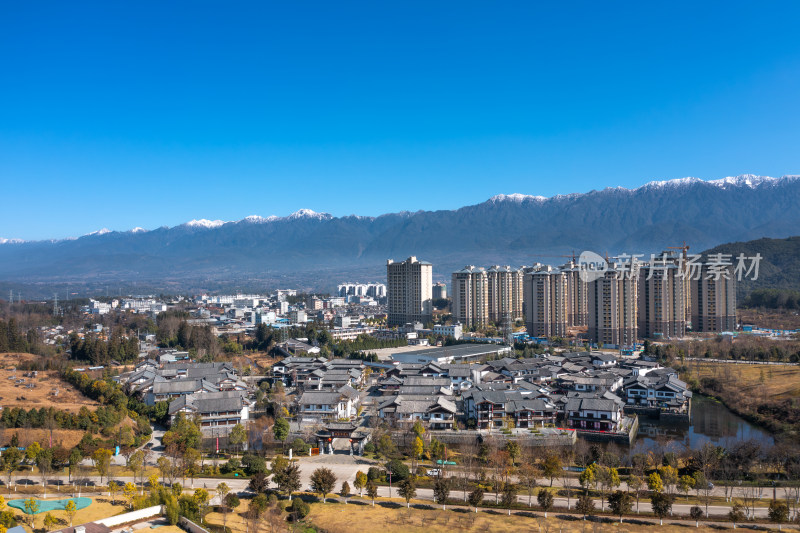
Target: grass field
{"points": [[340, 518], [42, 393], [777, 382]]}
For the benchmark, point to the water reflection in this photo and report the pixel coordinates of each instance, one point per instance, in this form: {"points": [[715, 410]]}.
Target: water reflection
{"points": [[711, 422]]}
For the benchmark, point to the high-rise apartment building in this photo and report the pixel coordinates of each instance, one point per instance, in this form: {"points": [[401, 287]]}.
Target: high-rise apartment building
{"points": [[662, 305], [577, 296], [409, 291], [505, 293], [546, 302], [470, 296], [439, 291], [713, 293], [613, 317]]}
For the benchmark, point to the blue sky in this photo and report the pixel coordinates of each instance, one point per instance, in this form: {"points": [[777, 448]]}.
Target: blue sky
{"points": [[149, 113]]}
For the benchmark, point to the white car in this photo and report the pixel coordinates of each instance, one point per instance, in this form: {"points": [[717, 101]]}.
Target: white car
{"points": [[434, 472]]}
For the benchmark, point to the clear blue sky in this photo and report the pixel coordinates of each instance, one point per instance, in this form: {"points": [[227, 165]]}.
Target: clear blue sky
{"points": [[124, 114]]}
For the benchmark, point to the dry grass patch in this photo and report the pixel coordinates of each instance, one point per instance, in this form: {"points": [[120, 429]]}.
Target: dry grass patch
{"points": [[14, 394], [340, 518], [776, 382]]}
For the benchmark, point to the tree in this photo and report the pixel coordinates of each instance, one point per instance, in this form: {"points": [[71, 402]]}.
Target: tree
{"points": [[702, 484], [398, 469], [287, 479], [669, 477], [654, 482], [152, 480], [527, 477], [636, 484], [281, 429], [238, 435], [31, 508], [323, 481], [696, 513], [372, 491], [509, 496], [137, 466], [588, 477], [102, 461], [417, 449], [736, 514], [545, 500], [513, 450], [113, 489], [129, 490], [165, 467], [608, 479], [441, 491], [685, 484], [222, 491], [11, 458], [344, 492], [71, 510], [259, 483], [360, 482], [476, 498], [585, 504], [661, 504], [620, 503], [778, 512], [551, 467], [44, 461], [408, 491], [32, 451], [50, 522], [201, 497]]}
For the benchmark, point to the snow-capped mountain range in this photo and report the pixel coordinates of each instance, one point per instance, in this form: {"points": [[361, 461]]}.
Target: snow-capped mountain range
{"points": [[506, 229]]}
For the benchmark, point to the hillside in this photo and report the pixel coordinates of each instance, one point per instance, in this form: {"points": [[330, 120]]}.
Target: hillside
{"points": [[779, 267], [316, 250]]}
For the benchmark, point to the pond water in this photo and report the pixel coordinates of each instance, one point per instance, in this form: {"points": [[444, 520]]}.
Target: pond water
{"points": [[711, 422]]}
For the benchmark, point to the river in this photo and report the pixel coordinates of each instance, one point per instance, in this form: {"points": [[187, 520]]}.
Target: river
{"points": [[711, 422]]}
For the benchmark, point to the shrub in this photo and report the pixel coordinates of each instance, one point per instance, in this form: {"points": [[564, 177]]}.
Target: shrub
{"points": [[374, 473], [398, 469], [369, 447], [298, 509], [253, 464], [299, 446], [231, 466]]}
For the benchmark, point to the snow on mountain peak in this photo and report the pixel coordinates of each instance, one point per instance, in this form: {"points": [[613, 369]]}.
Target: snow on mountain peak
{"points": [[98, 232], [749, 180], [515, 197], [137, 229], [205, 223], [308, 213], [257, 219], [10, 241]]}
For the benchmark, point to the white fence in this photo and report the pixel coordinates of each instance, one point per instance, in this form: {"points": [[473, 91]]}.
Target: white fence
{"points": [[133, 516]]}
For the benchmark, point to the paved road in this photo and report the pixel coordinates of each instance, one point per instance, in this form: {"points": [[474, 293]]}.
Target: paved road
{"points": [[345, 468]]}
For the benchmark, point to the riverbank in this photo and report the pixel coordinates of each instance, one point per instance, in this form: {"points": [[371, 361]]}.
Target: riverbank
{"points": [[765, 395]]}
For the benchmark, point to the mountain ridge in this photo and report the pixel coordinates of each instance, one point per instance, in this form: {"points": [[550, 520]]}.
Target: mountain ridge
{"points": [[749, 180], [510, 229]]}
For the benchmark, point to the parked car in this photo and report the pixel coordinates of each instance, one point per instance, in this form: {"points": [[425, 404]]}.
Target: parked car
{"points": [[434, 472]]}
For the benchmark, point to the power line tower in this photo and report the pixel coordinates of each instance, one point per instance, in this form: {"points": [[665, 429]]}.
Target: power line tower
{"points": [[55, 305]]}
